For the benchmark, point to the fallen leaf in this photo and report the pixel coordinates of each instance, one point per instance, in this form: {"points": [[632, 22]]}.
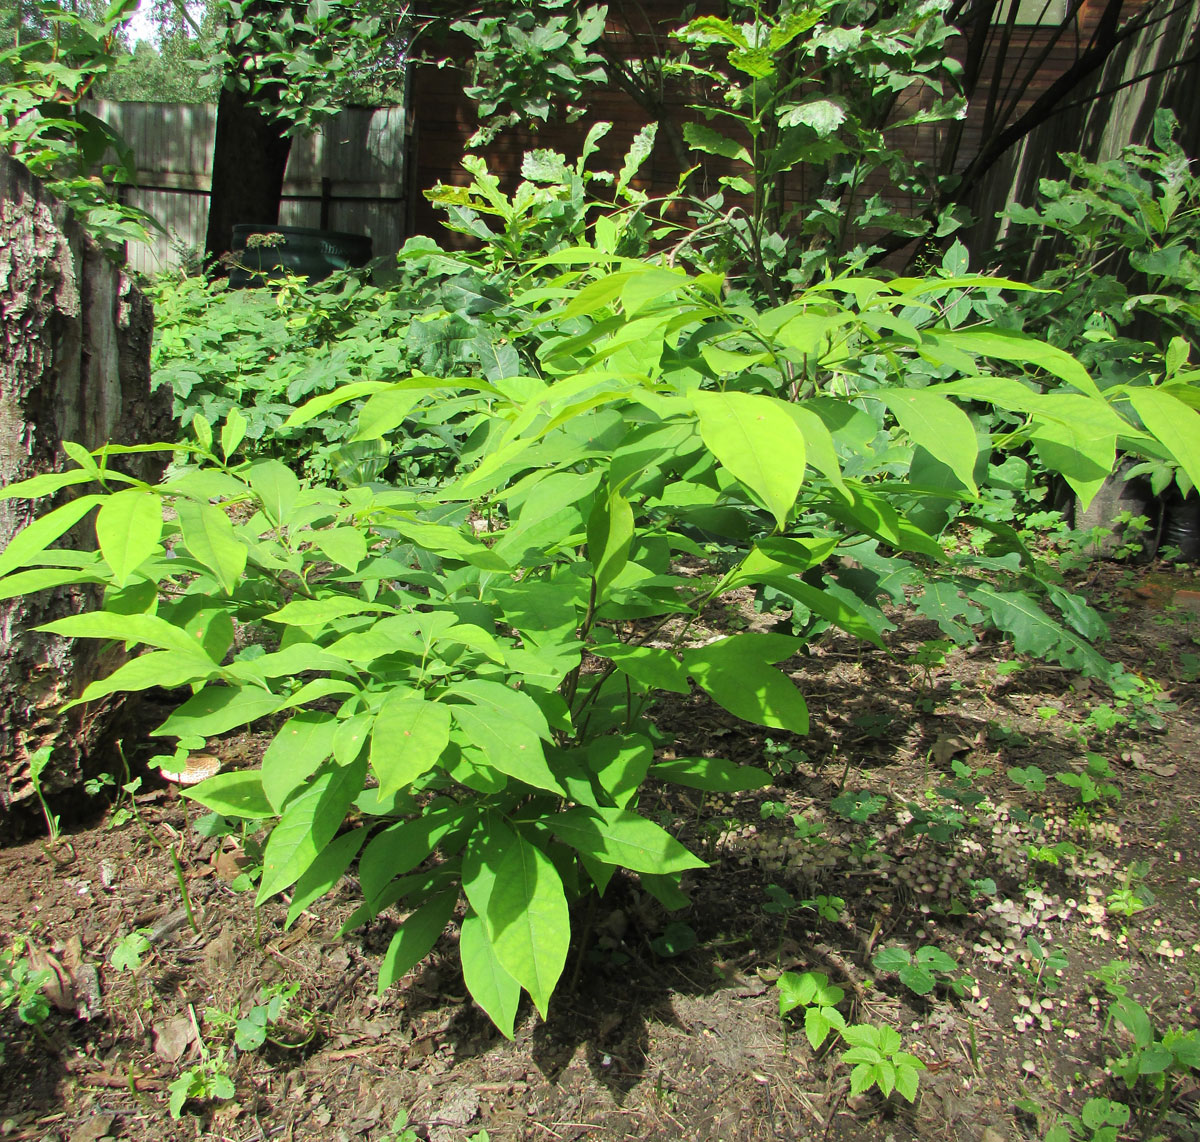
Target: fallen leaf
{"points": [[58, 988], [1167, 770], [460, 1105], [172, 1038], [945, 748], [97, 1127], [88, 1000], [230, 861], [221, 952]]}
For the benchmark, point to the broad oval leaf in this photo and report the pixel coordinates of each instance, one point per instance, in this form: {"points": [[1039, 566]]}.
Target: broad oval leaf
{"points": [[211, 540], [296, 753], [325, 872], [308, 824], [238, 794], [712, 774], [148, 630], [623, 838], [32, 540], [1174, 423], [759, 442], [609, 536], [407, 739], [218, 709], [318, 612], [529, 921], [487, 980], [128, 528], [167, 668], [401, 847], [277, 488], [415, 938], [939, 426], [735, 672]]}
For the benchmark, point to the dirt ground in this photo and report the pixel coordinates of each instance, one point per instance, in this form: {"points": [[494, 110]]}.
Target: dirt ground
{"points": [[672, 1028]]}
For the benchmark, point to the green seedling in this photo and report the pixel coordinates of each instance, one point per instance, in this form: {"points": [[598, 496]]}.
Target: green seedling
{"points": [[1151, 1058], [923, 970], [1126, 902], [939, 822], [829, 908], [675, 939], [819, 998], [1093, 783], [780, 759], [1112, 977], [1100, 1121], [1133, 896], [262, 1022], [878, 1061], [862, 846], [1030, 778], [872, 725], [780, 902], [805, 830], [808, 830], [21, 986], [207, 1080], [857, 805], [1046, 964], [873, 1052], [129, 950], [999, 734], [930, 658], [38, 760], [401, 1131], [1053, 854]]}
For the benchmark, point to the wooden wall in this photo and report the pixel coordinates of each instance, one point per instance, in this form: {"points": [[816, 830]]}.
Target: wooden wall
{"points": [[349, 175], [1099, 127]]}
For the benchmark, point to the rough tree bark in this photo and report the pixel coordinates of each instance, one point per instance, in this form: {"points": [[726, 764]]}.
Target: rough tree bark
{"points": [[74, 365], [250, 156]]}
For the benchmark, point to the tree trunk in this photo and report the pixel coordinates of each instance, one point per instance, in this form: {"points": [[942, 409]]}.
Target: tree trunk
{"points": [[250, 155], [75, 366]]}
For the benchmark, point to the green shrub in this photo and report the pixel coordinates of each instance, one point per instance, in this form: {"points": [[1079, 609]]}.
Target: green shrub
{"points": [[462, 673]]}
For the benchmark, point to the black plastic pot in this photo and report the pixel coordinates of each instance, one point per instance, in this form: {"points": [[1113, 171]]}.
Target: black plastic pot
{"points": [[293, 249], [1181, 528]]}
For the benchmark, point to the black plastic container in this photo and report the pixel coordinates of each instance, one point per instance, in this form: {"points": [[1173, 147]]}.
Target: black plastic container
{"points": [[297, 250], [1181, 527]]}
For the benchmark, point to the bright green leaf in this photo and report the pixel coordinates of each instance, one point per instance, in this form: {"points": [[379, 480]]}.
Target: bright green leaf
{"points": [[622, 838], [128, 528], [758, 441], [407, 739], [737, 674], [487, 980], [529, 921]]}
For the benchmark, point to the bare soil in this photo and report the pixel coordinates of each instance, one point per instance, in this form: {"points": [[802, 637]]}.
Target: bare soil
{"points": [[646, 1044]]}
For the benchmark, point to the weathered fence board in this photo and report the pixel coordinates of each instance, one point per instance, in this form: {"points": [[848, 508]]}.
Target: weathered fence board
{"points": [[349, 175], [1115, 109]]}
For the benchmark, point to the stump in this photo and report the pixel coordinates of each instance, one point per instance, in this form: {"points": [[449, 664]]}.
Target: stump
{"points": [[75, 366]]}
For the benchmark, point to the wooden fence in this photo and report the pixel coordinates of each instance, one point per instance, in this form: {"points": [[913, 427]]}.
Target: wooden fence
{"points": [[350, 175], [1115, 108]]}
